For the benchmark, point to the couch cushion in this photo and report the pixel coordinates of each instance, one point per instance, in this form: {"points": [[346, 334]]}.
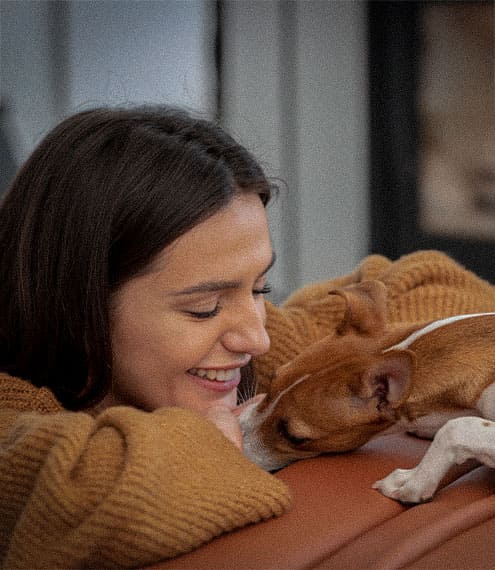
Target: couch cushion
{"points": [[338, 521]]}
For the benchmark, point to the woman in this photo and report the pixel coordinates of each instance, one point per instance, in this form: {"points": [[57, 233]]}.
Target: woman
{"points": [[135, 247], [134, 250]]}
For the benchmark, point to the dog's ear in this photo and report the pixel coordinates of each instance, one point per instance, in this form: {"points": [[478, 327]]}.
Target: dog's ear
{"points": [[365, 307], [388, 379]]}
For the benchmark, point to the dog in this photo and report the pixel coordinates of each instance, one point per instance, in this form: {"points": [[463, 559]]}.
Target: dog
{"points": [[371, 378]]}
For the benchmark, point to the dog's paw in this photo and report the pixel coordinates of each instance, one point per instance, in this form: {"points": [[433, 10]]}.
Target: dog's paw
{"points": [[405, 486]]}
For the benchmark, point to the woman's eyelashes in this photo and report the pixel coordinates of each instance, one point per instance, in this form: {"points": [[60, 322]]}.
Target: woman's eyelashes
{"points": [[267, 288], [202, 315]]}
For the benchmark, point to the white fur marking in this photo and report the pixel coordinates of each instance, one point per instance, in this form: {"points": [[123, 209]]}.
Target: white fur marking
{"points": [[254, 448], [486, 402], [433, 326]]}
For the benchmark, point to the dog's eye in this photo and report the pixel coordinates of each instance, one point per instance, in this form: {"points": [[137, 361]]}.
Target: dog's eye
{"points": [[283, 430]]}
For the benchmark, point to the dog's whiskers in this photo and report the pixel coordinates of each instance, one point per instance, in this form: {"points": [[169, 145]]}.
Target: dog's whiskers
{"points": [[246, 392]]}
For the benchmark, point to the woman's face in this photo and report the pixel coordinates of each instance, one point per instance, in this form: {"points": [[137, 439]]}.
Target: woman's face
{"points": [[181, 332]]}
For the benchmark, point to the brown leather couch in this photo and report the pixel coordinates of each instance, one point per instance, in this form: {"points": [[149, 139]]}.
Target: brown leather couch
{"points": [[339, 522]]}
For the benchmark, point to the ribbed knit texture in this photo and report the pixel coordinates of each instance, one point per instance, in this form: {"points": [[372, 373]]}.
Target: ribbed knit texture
{"points": [[128, 488], [125, 489], [421, 287]]}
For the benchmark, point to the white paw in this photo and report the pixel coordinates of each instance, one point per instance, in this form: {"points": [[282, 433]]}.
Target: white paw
{"points": [[406, 486]]}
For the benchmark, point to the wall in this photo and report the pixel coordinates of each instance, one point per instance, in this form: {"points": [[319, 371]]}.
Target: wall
{"points": [[293, 89], [60, 57], [26, 87], [153, 51]]}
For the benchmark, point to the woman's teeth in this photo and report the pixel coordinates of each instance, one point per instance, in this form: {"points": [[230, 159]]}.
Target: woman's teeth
{"points": [[218, 375]]}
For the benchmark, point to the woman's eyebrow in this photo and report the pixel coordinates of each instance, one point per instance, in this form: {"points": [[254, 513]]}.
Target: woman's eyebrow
{"points": [[212, 286]]}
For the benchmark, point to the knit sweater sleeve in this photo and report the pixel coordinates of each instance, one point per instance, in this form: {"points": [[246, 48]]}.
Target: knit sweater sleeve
{"points": [[421, 286], [124, 489]]}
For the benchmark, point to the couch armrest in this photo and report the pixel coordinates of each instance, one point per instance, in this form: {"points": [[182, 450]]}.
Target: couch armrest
{"points": [[339, 522]]}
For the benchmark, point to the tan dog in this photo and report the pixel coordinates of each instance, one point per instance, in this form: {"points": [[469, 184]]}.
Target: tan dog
{"points": [[369, 379]]}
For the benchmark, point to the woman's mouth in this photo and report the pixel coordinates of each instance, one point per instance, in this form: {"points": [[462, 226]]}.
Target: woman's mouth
{"points": [[218, 380], [218, 375]]}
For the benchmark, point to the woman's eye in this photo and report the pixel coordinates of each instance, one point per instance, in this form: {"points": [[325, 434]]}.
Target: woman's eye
{"points": [[267, 288], [201, 315]]}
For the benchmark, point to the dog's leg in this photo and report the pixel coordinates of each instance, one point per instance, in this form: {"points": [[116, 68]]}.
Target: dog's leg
{"points": [[427, 426], [458, 440], [486, 403]]}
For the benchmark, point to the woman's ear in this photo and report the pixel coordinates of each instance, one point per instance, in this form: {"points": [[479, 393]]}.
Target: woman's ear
{"points": [[365, 307]]}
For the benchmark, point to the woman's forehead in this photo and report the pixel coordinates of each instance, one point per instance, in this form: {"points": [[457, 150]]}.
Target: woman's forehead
{"points": [[231, 241]]}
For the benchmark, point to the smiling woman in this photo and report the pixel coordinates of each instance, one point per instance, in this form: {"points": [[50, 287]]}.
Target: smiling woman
{"points": [[106, 222], [134, 248], [182, 332]]}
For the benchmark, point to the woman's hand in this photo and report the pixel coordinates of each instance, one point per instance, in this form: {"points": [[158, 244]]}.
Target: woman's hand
{"points": [[227, 419], [228, 423]]}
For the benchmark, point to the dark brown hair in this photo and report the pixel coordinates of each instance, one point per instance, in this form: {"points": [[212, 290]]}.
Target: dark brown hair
{"points": [[98, 199]]}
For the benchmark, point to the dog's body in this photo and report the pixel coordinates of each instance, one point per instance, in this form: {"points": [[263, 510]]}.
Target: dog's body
{"points": [[370, 379]]}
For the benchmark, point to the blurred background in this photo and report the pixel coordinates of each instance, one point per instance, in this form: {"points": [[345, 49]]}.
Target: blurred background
{"points": [[293, 80]]}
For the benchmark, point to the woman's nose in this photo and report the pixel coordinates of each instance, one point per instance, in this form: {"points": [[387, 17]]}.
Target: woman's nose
{"points": [[247, 333]]}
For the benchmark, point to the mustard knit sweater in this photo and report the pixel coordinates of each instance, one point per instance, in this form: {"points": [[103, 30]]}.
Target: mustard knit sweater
{"points": [[127, 488]]}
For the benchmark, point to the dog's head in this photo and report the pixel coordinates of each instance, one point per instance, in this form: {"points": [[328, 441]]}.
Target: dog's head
{"points": [[335, 395]]}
